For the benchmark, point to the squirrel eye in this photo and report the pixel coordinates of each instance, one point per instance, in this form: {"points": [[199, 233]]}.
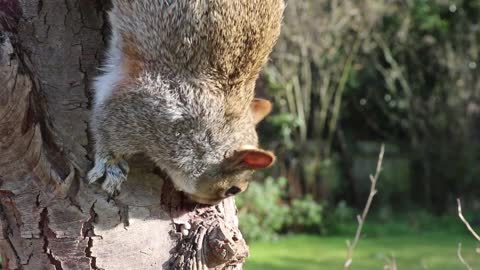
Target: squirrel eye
{"points": [[233, 191]]}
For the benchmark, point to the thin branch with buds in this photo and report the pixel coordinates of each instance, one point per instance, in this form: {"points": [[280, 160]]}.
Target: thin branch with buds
{"points": [[361, 219]]}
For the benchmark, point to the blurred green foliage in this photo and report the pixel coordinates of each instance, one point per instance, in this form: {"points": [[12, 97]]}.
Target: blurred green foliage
{"points": [[261, 211], [418, 87], [349, 75], [264, 213], [305, 215]]}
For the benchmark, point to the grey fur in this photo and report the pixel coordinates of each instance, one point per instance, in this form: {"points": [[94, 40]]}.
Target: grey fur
{"points": [[178, 85]]}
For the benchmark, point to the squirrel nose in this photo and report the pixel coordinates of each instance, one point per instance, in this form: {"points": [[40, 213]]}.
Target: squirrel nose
{"points": [[232, 191]]}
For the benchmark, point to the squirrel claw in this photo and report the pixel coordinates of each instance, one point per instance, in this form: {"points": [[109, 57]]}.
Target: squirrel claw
{"points": [[96, 172], [115, 175]]}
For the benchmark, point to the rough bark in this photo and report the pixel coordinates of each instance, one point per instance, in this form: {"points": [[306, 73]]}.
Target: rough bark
{"points": [[49, 218]]}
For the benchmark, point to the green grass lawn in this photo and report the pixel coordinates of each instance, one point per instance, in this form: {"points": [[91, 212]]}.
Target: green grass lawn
{"points": [[428, 251], [412, 251]]}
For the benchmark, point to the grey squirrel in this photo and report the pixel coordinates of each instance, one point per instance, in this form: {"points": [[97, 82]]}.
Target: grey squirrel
{"points": [[178, 85]]}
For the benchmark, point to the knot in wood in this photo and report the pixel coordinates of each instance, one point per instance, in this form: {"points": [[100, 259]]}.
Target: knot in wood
{"points": [[224, 246]]}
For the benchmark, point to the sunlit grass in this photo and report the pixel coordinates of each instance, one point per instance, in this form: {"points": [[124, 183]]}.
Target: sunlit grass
{"points": [[413, 251]]}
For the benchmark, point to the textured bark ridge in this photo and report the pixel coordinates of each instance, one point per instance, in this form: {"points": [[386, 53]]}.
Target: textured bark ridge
{"points": [[214, 241], [49, 219]]}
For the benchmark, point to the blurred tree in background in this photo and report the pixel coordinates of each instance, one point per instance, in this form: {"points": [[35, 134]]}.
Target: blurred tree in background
{"points": [[349, 75]]}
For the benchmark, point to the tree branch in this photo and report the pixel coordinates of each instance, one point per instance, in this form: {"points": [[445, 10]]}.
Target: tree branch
{"points": [[361, 219], [472, 231], [467, 224], [459, 253]]}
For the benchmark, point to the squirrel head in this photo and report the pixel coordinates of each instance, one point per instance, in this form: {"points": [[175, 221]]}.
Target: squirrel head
{"points": [[211, 157], [235, 173], [232, 174]]}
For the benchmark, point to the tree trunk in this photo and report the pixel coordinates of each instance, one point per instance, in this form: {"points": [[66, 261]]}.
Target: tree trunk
{"points": [[49, 218]]}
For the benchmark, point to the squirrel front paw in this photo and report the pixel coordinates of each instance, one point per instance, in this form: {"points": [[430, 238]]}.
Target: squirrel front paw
{"points": [[115, 174]]}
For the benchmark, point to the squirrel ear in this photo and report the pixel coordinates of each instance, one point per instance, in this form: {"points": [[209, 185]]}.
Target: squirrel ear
{"points": [[260, 108], [250, 158]]}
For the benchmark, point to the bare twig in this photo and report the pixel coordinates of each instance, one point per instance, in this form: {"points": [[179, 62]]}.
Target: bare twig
{"points": [[424, 265], [465, 221], [459, 253], [391, 263], [472, 231], [361, 219]]}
